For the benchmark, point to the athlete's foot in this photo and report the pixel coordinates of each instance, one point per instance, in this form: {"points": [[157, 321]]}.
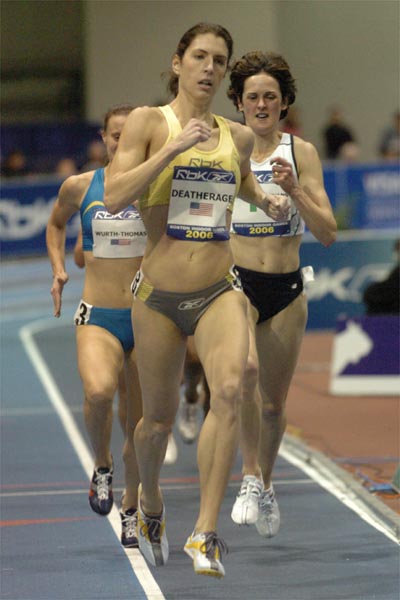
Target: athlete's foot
{"points": [[100, 493], [153, 542], [205, 550], [171, 453], [188, 421]]}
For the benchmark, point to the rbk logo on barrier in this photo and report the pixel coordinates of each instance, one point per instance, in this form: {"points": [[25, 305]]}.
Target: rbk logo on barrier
{"points": [[346, 284], [20, 222]]}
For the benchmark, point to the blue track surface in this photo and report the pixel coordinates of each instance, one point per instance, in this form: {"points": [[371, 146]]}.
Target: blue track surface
{"points": [[54, 548]]}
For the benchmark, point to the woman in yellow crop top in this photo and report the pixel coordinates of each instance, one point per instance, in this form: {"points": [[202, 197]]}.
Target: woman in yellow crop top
{"points": [[187, 165]]}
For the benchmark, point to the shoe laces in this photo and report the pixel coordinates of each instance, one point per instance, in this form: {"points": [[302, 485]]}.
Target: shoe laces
{"points": [[211, 543], [103, 481], [267, 502], [153, 525], [129, 523], [249, 488]]}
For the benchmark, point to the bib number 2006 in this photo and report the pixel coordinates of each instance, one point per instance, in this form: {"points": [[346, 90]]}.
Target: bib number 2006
{"points": [[263, 229], [199, 235]]}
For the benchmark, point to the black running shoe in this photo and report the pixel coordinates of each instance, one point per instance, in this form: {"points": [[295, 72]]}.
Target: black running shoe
{"points": [[129, 519], [100, 493]]}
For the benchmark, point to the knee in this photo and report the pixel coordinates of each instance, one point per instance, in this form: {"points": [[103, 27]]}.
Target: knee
{"points": [[225, 398], [155, 430], [273, 410], [99, 397]]}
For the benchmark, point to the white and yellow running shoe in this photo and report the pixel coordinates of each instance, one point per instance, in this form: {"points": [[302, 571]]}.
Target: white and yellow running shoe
{"points": [[205, 549], [152, 537]]}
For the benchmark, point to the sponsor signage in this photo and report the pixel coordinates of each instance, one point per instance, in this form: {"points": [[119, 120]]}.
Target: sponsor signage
{"points": [[342, 272], [366, 356], [24, 212]]}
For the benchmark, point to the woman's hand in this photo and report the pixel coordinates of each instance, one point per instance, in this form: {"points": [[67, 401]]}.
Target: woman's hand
{"points": [[194, 132], [277, 206], [283, 175], [56, 291]]}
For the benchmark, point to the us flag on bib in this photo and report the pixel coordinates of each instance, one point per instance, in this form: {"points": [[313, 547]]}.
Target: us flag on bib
{"points": [[204, 209], [121, 242]]}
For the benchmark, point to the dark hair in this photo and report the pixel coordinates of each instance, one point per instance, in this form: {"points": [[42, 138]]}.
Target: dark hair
{"points": [[116, 110], [256, 62], [187, 39]]}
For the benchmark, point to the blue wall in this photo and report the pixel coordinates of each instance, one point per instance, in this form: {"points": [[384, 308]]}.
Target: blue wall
{"points": [[45, 144], [343, 271]]}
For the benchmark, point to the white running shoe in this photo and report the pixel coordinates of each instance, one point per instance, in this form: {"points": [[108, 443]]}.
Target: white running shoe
{"points": [[152, 537], [205, 549], [269, 518], [245, 509], [171, 453], [188, 421]]}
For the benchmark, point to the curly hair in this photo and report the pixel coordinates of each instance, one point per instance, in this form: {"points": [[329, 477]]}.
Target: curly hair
{"points": [[256, 62]]}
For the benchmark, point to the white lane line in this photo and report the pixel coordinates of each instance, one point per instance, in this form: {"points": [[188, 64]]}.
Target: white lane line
{"points": [[324, 472], [36, 411], [181, 487], [26, 334]]}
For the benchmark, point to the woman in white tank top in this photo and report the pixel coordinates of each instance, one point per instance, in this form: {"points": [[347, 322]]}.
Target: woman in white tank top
{"points": [[266, 255]]}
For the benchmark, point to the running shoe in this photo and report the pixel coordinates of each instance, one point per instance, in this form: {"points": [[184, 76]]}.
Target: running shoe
{"points": [[171, 453], [245, 509], [269, 518], [188, 421], [152, 536], [100, 493], [129, 520], [205, 549]]}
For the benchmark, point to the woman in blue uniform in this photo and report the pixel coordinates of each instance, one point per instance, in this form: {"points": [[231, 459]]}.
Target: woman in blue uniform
{"points": [[267, 258], [187, 165], [113, 247]]}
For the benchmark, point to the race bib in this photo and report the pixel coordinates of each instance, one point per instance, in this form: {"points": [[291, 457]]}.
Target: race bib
{"points": [[251, 221], [198, 203], [118, 236], [82, 313]]}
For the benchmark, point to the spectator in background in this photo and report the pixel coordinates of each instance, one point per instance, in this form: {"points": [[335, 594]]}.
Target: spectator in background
{"points": [[66, 167], [389, 144], [15, 164], [96, 156], [383, 297], [349, 152], [335, 134]]}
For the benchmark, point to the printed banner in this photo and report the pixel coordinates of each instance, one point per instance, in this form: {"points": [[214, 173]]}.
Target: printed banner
{"points": [[364, 196], [24, 213], [366, 356], [342, 272]]}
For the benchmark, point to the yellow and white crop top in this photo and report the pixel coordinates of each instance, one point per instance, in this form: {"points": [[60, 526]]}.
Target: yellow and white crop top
{"points": [[199, 186]]}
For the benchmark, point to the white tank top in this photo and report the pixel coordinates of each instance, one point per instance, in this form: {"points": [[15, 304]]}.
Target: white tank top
{"points": [[250, 221]]}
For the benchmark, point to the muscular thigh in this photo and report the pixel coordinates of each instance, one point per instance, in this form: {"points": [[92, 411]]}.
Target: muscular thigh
{"points": [[278, 346], [160, 351], [100, 357], [222, 338]]}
